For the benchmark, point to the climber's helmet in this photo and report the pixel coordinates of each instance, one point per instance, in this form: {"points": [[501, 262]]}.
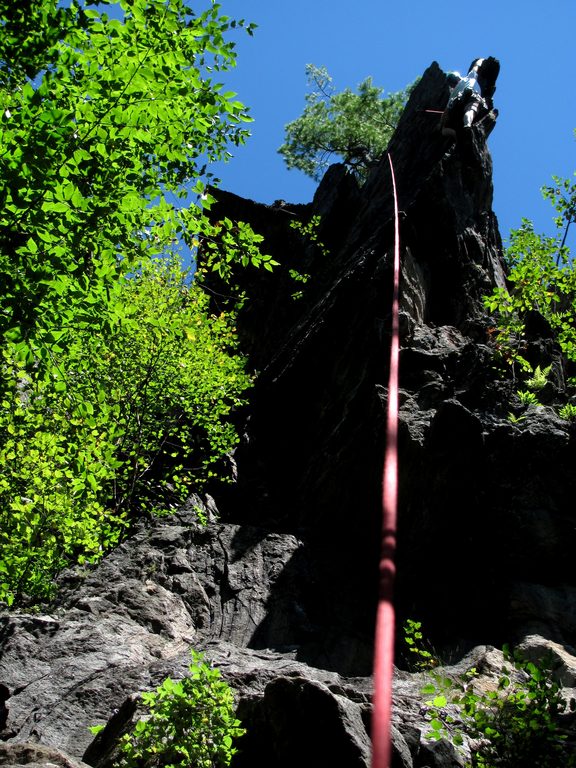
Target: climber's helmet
{"points": [[453, 78], [477, 63]]}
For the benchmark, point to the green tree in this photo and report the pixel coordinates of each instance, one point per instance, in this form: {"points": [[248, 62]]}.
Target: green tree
{"points": [[354, 126], [103, 132], [541, 277], [116, 380], [130, 422]]}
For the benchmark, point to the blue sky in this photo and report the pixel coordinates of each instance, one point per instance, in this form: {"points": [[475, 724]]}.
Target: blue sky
{"points": [[394, 43]]}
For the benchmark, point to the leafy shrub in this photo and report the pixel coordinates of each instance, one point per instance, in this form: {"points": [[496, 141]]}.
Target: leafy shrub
{"points": [[173, 374], [309, 232], [57, 453], [542, 278], [539, 378], [116, 382], [568, 412], [129, 420], [518, 725], [527, 398], [421, 655], [190, 723]]}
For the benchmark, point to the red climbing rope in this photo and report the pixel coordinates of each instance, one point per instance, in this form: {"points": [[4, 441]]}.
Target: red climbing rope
{"points": [[384, 640]]}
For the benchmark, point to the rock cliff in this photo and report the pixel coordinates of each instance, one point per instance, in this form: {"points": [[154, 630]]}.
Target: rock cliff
{"points": [[279, 587]]}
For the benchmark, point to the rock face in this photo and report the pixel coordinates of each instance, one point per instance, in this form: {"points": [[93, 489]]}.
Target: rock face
{"points": [[129, 624], [280, 589]]}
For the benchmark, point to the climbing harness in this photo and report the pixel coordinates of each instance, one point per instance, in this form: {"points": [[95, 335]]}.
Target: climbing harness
{"points": [[385, 620]]}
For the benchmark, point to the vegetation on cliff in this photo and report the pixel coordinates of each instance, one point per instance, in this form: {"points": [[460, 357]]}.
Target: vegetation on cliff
{"points": [[116, 379], [354, 126], [189, 722], [541, 278]]}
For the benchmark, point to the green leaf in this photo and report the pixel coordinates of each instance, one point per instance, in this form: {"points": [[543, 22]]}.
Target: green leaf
{"points": [[115, 360]]}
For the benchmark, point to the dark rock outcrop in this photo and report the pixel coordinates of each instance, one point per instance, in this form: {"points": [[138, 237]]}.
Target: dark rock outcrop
{"points": [[129, 624], [280, 591], [35, 756], [313, 457]]}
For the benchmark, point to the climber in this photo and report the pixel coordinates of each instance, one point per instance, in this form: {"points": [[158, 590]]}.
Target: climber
{"points": [[470, 96]]}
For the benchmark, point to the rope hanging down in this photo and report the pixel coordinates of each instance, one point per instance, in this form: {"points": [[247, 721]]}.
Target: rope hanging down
{"points": [[385, 622]]}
